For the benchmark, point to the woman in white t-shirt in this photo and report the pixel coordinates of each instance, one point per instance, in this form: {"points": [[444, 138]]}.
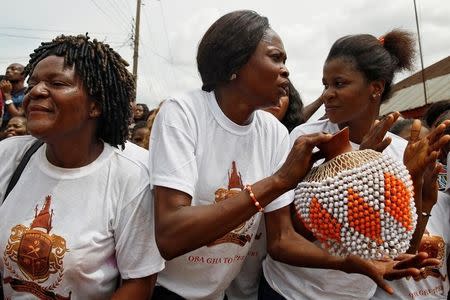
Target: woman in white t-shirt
{"points": [[217, 162], [80, 217], [357, 77]]}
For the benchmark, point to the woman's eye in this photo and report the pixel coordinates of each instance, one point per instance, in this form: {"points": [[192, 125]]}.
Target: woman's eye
{"points": [[276, 57]]}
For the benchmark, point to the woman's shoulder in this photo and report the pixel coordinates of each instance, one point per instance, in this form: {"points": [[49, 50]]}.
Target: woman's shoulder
{"points": [[188, 105], [16, 145], [270, 123]]}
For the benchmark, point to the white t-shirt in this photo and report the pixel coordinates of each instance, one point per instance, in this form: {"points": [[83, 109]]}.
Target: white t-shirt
{"points": [[245, 285], [72, 232], [196, 149], [432, 283], [309, 283], [136, 153]]}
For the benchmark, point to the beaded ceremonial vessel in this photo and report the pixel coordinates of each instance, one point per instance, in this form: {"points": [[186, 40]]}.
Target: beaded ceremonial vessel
{"points": [[358, 202]]}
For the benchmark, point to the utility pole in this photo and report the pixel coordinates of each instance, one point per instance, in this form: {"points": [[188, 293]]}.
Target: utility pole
{"points": [[136, 40], [420, 53]]}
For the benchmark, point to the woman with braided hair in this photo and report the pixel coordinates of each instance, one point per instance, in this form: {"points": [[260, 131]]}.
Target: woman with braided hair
{"points": [[80, 216]]}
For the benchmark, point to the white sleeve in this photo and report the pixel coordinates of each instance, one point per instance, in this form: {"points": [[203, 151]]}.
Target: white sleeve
{"points": [[280, 157], [172, 151], [134, 232]]}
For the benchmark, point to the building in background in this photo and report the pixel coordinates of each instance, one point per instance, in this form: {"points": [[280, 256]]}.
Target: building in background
{"points": [[408, 96]]}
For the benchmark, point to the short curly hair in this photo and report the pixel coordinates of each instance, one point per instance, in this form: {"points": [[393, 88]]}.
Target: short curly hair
{"points": [[105, 78]]}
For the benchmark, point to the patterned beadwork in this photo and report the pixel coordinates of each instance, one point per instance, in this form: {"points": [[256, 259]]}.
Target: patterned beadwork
{"points": [[361, 203]]}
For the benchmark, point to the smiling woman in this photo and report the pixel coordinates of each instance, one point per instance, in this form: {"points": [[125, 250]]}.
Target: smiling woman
{"points": [[85, 206]]}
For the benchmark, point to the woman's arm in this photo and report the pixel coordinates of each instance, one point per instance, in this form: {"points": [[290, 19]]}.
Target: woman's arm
{"points": [[420, 159], [311, 108], [285, 245], [136, 288], [181, 228]]}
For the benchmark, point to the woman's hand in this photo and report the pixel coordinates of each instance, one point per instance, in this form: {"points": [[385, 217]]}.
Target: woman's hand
{"points": [[300, 159], [375, 138], [421, 153], [379, 270]]}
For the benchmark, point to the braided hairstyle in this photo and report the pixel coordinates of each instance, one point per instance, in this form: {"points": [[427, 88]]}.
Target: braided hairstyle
{"points": [[105, 78], [377, 59]]}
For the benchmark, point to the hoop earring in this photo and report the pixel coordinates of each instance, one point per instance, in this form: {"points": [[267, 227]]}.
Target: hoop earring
{"points": [[233, 77]]}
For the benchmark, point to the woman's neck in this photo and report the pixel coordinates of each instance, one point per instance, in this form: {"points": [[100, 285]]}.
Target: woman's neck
{"points": [[233, 105], [70, 153], [358, 128]]}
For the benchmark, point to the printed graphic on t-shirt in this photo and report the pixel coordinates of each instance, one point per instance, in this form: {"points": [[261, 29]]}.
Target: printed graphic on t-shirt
{"points": [[434, 245], [240, 235], [32, 255]]}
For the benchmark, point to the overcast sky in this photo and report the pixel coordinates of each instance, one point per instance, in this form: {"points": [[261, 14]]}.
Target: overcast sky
{"points": [[171, 30]]}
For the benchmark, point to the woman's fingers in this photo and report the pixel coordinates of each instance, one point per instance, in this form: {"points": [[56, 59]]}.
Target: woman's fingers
{"points": [[398, 274], [415, 131], [417, 261], [383, 145]]}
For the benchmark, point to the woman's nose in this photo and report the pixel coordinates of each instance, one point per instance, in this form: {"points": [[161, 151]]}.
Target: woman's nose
{"points": [[284, 71], [38, 90]]}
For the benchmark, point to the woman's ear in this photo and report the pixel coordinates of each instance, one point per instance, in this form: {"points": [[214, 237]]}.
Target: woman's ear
{"points": [[95, 109], [377, 88]]}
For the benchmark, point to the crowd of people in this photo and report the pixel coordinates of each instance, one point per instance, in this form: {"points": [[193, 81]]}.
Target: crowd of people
{"points": [[101, 197]]}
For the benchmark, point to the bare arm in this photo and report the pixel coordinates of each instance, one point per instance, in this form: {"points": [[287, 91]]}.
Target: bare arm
{"points": [[311, 108], [6, 88], [284, 245], [14, 111], [139, 288], [181, 228], [420, 159]]}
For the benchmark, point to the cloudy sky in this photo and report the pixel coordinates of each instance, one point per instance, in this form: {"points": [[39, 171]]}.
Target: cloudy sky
{"points": [[171, 30]]}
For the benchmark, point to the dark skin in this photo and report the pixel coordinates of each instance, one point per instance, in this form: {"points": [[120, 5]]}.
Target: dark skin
{"points": [[347, 90], [14, 82], [180, 227], [62, 114]]}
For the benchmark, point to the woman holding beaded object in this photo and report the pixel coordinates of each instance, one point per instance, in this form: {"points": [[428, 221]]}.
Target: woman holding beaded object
{"points": [[357, 77], [207, 146]]}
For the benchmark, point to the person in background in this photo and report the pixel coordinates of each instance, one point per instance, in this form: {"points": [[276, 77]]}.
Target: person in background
{"points": [[141, 112], [141, 134], [13, 90], [16, 126], [436, 114], [357, 77], [85, 206], [402, 128], [218, 164]]}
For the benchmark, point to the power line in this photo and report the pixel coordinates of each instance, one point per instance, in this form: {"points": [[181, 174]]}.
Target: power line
{"points": [[23, 36], [106, 15], [51, 30], [118, 11]]}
